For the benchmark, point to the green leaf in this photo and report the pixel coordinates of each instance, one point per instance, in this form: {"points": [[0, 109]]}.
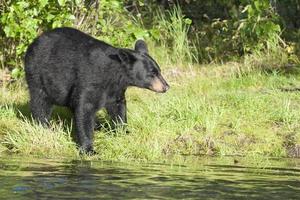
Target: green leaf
{"points": [[155, 33], [23, 4], [56, 24], [78, 2], [115, 4], [71, 17], [257, 5], [43, 3], [17, 73], [188, 21], [7, 30], [140, 34], [49, 17], [61, 2]]}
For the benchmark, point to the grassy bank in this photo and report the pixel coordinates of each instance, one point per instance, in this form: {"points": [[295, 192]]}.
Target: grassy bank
{"points": [[210, 111]]}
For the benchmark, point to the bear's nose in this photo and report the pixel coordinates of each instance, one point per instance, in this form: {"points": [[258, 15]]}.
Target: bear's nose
{"points": [[167, 87], [158, 84]]}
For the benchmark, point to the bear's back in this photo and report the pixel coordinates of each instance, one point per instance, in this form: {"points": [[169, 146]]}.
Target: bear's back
{"points": [[62, 42], [57, 60], [71, 34]]}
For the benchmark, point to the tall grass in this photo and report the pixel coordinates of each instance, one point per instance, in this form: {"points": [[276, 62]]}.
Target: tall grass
{"points": [[173, 40], [27, 137]]}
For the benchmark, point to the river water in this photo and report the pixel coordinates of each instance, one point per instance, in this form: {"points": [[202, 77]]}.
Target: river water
{"points": [[51, 179]]}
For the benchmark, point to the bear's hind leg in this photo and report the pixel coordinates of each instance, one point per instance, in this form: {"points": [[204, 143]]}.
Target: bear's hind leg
{"points": [[40, 105]]}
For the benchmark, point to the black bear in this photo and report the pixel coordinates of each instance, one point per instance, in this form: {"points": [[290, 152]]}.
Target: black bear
{"points": [[67, 67]]}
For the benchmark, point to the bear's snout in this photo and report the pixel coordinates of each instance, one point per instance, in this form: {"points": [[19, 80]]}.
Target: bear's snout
{"points": [[158, 84]]}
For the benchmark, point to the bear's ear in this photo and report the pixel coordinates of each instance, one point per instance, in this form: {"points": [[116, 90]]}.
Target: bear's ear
{"points": [[123, 56], [141, 46], [115, 57]]}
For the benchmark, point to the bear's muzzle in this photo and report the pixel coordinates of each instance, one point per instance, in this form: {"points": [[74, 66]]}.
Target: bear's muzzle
{"points": [[158, 84]]}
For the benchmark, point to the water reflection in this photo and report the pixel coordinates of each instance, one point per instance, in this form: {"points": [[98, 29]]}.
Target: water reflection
{"points": [[105, 180]]}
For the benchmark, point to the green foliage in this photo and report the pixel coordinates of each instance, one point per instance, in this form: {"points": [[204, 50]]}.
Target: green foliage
{"points": [[22, 21], [248, 27], [187, 32], [17, 73], [260, 29], [117, 26]]}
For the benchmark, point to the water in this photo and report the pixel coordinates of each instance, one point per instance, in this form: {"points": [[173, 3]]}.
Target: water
{"points": [[48, 179]]}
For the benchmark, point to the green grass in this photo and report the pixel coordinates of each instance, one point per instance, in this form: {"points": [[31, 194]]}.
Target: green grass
{"points": [[210, 111], [175, 46]]}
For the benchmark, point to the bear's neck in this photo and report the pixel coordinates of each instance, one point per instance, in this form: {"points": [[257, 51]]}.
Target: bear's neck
{"points": [[121, 81]]}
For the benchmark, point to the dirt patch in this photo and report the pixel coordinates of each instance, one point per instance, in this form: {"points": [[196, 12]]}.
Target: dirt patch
{"points": [[289, 143], [188, 144], [5, 77], [294, 151]]}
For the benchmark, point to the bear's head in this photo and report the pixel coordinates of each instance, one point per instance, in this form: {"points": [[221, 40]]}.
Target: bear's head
{"points": [[141, 68]]}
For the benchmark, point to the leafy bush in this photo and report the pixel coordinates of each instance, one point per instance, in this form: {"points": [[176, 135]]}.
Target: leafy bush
{"points": [[249, 27], [22, 21], [260, 29], [189, 31]]}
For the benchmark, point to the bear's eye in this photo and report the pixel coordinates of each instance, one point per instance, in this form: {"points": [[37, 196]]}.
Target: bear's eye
{"points": [[154, 71]]}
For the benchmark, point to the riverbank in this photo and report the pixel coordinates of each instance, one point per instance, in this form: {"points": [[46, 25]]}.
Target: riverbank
{"points": [[209, 110]]}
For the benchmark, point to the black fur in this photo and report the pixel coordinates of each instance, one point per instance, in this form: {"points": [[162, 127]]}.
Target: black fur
{"points": [[69, 68]]}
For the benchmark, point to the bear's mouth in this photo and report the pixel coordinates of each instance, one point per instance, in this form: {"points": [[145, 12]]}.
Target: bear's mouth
{"points": [[158, 84]]}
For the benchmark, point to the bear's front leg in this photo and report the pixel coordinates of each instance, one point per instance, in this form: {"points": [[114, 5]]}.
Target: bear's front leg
{"points": [[117, 112], [84, 124]]}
